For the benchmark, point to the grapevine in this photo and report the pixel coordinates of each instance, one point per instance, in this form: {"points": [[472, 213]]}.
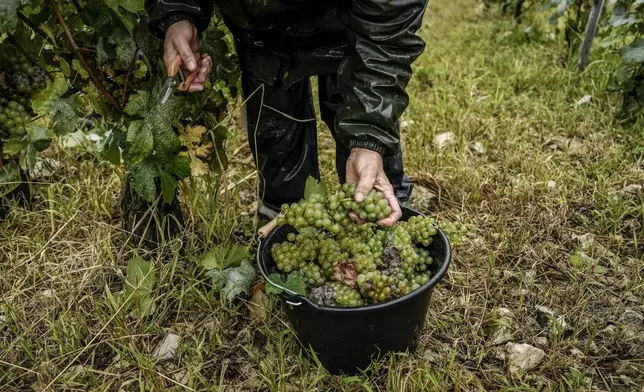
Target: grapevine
{"points": [[348, 264]]}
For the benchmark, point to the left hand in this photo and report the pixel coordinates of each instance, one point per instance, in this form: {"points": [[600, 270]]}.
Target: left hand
{"points": [[365, 168]]}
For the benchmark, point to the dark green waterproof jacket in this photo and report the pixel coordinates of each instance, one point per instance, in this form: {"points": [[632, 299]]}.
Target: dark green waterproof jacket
{"points": [[370, 44]]}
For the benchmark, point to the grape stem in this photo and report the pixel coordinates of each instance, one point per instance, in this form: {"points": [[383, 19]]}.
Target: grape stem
{"points": [[81, 59], [124, 95]]}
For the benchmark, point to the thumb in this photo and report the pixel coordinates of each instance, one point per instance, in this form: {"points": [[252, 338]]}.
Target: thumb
{"points": [[365, 183], [182, 46]]}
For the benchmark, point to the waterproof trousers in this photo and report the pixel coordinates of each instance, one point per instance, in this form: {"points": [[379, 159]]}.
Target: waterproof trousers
{"points": [[285, 147]]}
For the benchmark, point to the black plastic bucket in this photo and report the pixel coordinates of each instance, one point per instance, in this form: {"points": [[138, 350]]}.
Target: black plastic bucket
{"points": [[346, 340]]}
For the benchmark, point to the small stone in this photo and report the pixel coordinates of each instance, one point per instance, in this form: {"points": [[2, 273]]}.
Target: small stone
{"points": [[47, 293], [167, 349], [406, 123], [584, 239], [444, 139], [502, 327], [523, 357], [546, 317], [551, 185], [478, 148], [541, 340]]}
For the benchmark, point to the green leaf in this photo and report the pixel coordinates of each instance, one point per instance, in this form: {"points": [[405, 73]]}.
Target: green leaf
{"points": [[314, 187], [13, 146], [179, 167], [294, 282], [141, 141], [143, 181], [39, 135], [141, 69], [133, 6], [27, 158], [41, 102], [233, 281], [138, 104], [224, 256], [139, 285], [76, 66], [634, 53], [111, 150], [63, 114], [9, 178], [8, 15], [168, 187]]}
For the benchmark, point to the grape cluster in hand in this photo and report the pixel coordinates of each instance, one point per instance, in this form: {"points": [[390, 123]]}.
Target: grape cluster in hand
{"points": [[384, 263]]}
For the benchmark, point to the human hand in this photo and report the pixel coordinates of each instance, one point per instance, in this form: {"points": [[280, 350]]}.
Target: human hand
{"points": [[182, 39], [365, 168]]}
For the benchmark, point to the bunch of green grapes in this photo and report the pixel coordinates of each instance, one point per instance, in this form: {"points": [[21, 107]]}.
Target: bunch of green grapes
{"points": [[21, 75], [312, 274], [13, 117], [366, 263], [422, 229], [293, 254], [373, 208], [330, 253], [346, 296], [376, 286], [308, 213]]}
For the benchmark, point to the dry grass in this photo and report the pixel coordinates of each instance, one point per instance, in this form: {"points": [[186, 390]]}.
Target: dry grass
{"points": [[525, 202]]}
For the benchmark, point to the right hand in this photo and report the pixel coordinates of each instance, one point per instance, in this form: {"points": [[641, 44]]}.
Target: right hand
{"points": [[182, 39]]}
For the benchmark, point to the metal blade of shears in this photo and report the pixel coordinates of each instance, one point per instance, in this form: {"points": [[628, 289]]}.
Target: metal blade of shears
{"points": [[169, 85]]}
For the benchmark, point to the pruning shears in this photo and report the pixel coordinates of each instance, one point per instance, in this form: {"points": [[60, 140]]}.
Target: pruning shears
{"points": [[176, 79]]}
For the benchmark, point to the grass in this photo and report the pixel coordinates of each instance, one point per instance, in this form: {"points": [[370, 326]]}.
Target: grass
{"points": [[552, 171]]}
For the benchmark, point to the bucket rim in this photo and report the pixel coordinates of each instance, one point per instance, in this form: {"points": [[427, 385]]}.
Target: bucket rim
{"points": [[297, 300]]}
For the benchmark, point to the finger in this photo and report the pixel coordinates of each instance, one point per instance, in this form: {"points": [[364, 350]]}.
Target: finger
{"points": [[194, 87], [187, 55], [354, 217], [365, 183], [194, 42], [169, 53], [389, 195]]}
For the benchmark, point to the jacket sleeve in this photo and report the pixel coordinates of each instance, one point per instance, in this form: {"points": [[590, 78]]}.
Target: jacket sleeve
{"points": [[163, 13], [372, 78]]}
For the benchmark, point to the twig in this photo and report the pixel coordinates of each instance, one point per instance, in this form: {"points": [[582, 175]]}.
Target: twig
{"points": [[35, 28], [81, 59], [127, 79]]}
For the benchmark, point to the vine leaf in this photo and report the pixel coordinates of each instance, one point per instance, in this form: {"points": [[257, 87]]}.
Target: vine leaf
{"points": [[294, 282], [346, 273], [634, 53], [143, 180], [9, 177], [63, 113], [39, 135], [224, 256], [179, 166], [168, 186], [8, 15], [13, 146], [232, 282], [138, 103], [139, 286], [76, 66], [41, 102], [141, 141], [314, 187]]}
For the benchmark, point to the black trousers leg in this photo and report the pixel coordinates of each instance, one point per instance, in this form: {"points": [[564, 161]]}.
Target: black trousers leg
{"points": [[285, 150], [330, 102]]}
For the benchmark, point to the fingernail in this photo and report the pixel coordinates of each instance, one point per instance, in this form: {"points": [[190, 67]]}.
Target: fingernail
{"points": [[191, 65]]}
